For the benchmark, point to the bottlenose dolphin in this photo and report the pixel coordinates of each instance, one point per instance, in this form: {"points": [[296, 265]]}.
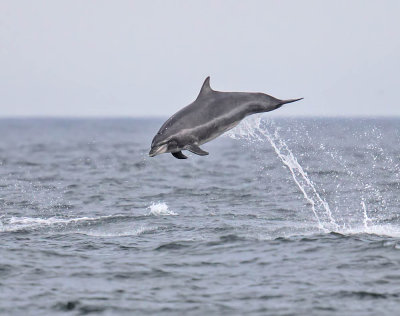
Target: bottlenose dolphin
{"points": [[210, 115]]}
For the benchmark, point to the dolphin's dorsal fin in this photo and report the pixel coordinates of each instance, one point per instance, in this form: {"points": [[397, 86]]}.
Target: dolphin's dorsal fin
{"points": [[205, 88]]}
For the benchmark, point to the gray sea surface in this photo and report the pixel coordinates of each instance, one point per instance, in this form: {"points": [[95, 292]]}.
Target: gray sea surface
{"points": [[284, 217]]}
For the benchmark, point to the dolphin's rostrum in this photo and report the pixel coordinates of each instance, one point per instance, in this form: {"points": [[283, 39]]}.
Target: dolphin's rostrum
{"points": [[210, 115]]}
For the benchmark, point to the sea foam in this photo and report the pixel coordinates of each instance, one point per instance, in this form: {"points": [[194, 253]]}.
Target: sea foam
{"points": [[160, 209]]}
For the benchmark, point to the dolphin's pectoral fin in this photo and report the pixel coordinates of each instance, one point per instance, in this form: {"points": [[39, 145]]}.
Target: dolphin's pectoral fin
{"points": [[196, 150], [179, 155]]}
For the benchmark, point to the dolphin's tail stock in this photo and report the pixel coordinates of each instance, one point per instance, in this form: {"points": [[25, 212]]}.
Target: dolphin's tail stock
{"points": [[282, 102], [289, 101], [273, 103]]}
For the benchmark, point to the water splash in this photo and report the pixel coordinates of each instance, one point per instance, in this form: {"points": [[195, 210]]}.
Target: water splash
{"points": [[364, 182], [387, 230], [366, 219], [256, 129], [160, 209]]}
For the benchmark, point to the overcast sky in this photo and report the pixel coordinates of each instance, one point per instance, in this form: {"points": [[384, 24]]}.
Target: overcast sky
{"points": [[149, 58]]}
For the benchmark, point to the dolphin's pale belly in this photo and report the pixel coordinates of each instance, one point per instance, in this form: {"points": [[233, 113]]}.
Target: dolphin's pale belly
{"points": [[211, 129]]}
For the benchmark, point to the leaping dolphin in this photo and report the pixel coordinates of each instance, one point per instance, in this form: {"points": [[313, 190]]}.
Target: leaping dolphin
{"points": [[210, 115]]}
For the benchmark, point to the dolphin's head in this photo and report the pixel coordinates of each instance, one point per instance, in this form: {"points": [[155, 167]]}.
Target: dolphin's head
{"points": [[162, 144]]}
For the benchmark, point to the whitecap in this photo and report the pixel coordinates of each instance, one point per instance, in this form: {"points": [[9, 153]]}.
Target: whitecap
{"points": [[160, 209], [386, 230], [20, 223], [132, 232]]}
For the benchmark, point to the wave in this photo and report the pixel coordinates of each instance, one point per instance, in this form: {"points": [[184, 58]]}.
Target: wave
{"points": [[386, 230], [13, 224], [114, 229], [125, 233], [310, 230], [23, 223]]}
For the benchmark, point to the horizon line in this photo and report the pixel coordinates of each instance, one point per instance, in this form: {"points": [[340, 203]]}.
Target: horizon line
{"points": [[100, 117]]}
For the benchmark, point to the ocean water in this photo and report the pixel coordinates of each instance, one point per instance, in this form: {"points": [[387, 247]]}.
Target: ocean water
{"points": [[284, 217]]}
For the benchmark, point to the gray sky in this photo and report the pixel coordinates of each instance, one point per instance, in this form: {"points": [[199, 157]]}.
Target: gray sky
{"points": [[149, 58]]}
